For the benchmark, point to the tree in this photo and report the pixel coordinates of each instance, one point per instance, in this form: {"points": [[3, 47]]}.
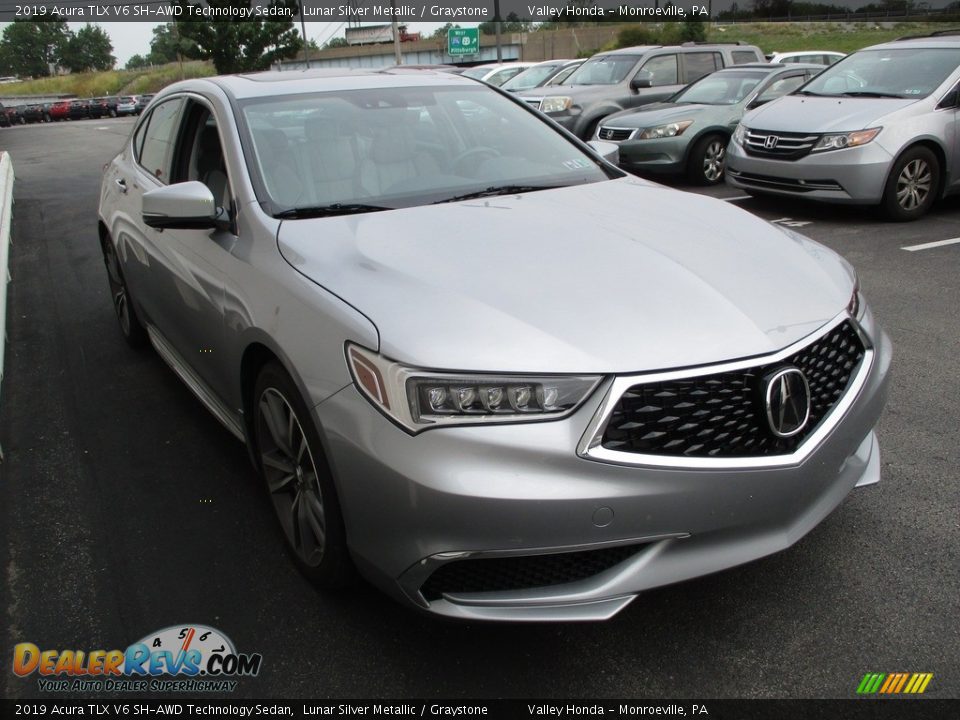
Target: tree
{"points": [[335, 42], [28, 48], [166, 44], [138, 61], [89, 49], [693, 30], [441, 32], [241, 45], [512, 24]]}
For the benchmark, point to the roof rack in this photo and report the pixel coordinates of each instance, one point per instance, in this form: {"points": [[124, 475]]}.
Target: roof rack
{"points": [[935, 33], [691, 43]]}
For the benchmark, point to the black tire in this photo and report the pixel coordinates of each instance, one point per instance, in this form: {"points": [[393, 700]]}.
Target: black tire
{"points": [[913, 185], [113, 113], [707, 160], [46, 117], [297, 476], [130, 326]]}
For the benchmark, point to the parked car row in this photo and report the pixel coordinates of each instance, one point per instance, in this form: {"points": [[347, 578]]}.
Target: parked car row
{"points": [[77, 109], [878, 127]]}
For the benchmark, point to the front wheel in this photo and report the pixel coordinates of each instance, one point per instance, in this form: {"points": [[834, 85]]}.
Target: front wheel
{"points": [[133, 331], [707, 160], [912, 186], [298, 479]]}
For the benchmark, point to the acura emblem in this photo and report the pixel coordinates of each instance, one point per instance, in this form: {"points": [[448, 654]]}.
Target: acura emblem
{"points": [[787, 399], [771, 142]]}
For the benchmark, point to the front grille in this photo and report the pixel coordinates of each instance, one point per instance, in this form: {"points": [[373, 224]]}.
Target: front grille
{"points": [[522, 573], [722, 414], [779, 145], [615, 134]]}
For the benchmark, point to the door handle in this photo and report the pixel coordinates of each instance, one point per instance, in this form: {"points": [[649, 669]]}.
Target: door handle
{"points": [[122, 184]]}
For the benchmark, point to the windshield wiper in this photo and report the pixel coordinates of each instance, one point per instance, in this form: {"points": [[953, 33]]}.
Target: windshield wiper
{"points": [[314, 211], [810, 93], [872, 94], [498, 190]]}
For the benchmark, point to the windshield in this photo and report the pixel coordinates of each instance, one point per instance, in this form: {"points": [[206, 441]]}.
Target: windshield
{"points": [[388, 148], [722, 88], [900, 73], [530, 78], [476, 73], [605, 70]]}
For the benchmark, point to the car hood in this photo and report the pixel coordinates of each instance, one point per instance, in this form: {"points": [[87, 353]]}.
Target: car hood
{"points": [[580, 93], [796, 113], [614, 277], [656, 114]]}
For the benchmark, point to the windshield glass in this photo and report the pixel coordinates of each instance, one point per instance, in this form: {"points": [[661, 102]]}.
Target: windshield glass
{"points": [[530, 78], [722, 88], [402, 146], [476, 73], [605, 70], [900, 72]]}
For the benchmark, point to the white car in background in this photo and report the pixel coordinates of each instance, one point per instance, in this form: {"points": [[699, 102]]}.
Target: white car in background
{"points": [[496, 74], [813, 57]]}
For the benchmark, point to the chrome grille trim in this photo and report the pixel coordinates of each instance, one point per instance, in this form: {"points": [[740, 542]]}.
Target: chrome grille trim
{"points": [[590, 446], [616, 134]]}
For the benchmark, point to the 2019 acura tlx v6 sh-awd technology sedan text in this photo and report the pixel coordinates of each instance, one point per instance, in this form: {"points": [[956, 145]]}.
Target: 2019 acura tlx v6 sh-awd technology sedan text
{"points": [[473, 360]]}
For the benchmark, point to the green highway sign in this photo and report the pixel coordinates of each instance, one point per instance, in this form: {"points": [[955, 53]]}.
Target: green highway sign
{"points": [[463, 41]]}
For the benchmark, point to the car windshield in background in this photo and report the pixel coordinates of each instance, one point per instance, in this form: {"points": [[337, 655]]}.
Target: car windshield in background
{"points": [[529, 78], [476, 73], [723, 88], [607, 70], [386, 148], [911, 73]]}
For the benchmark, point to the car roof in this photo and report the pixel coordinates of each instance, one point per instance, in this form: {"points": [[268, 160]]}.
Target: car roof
{"points": [[938, 40], [295, 82]]}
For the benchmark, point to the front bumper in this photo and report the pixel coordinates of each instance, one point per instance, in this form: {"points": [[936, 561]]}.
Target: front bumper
{"points": [[662, 156], [412, 504], [850, 176]]}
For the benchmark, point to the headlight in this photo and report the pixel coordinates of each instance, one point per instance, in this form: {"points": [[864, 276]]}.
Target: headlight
{"points": [[662, 131], [420, 399], [555, 104], [855, 304], [845, 140], [739, 134]]}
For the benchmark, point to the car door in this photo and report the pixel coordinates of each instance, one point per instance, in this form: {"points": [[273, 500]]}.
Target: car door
{"points": [[664, 70], [948, 109], [694, 65], [193, 281]]}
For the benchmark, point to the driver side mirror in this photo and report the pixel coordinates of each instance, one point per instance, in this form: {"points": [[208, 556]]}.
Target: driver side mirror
{"points": [[182, 206], [642, 79]]}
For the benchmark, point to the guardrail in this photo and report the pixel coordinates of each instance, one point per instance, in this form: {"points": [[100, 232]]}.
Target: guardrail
{"points": [[6, 215]]}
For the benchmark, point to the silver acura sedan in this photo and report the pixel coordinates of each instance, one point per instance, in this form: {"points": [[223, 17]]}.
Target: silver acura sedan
{"points": [[474, 361]]}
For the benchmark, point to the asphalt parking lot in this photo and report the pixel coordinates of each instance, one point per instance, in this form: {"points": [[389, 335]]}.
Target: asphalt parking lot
{"points": [[125, 507]]}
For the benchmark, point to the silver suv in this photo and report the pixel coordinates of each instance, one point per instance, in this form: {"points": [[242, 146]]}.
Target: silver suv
{"points": [[879, 127], [622, 79]]}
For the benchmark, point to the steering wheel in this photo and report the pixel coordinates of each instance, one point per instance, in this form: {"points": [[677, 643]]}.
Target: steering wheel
{"points": [[475, 152]]}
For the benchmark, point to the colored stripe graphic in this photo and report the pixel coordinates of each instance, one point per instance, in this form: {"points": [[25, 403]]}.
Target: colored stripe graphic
{"points": [[894, 683]]}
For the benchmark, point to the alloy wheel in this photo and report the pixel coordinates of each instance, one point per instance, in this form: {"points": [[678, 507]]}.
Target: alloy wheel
{"points": [[914, 184], [714, 158], [118, 289], [291, 476]]}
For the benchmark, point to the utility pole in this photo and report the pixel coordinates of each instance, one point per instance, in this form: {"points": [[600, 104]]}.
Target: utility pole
{"points": [[396, 33], [176, 32], [496, 25], [303, 30]]}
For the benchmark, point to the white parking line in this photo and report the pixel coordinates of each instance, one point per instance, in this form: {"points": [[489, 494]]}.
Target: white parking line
{"points": [[927, 246], [738, 197]]}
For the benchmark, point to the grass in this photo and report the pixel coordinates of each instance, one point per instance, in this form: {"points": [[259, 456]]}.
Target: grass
{"points": [[111, 82], [842, 37]]}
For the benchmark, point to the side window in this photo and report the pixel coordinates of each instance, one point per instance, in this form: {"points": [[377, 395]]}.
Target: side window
{"points": [[950, 100], [663, 68], [138, 138], [698, 64], [742, 57], [781, 87], [200, 154], [159, 138]]}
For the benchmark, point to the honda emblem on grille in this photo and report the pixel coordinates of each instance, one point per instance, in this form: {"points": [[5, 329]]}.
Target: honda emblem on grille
{"points": [[771, 142], [787, 397]]}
